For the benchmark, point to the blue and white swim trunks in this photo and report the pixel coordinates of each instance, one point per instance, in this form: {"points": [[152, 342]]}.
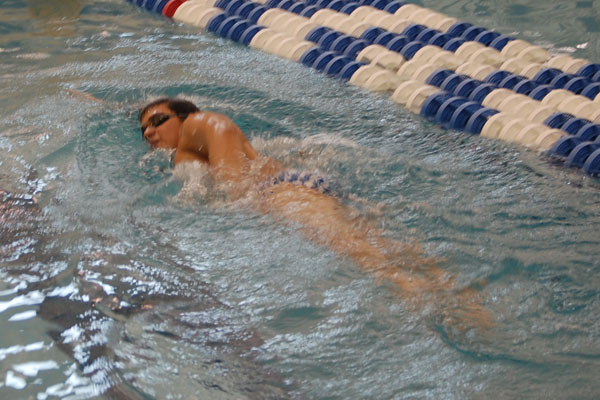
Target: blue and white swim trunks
{"points": [[311, 180]]}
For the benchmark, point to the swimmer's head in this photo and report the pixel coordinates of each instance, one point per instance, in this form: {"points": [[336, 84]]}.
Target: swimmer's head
{"points": [[161, 120], [180, 107]]}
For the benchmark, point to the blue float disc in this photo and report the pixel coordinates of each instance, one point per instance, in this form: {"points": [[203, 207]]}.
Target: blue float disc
{"points": [[349, 69], [592, 165], [433, 103], [578, 156], [478, 119], [589, 132], [563, 146], [462, 115]]}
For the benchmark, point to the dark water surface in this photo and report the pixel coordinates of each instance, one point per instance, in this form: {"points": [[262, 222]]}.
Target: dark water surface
{"points": [[121, 278]]}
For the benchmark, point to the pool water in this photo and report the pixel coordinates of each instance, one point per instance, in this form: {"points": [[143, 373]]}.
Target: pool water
{"points": [[123, 278]]}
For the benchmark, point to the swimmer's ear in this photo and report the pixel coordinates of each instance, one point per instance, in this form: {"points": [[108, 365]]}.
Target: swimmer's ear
{"points": [[85, 96]]}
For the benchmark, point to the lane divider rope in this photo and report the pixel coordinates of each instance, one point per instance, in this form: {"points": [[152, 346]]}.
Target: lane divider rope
{"points": [[464, 77]]}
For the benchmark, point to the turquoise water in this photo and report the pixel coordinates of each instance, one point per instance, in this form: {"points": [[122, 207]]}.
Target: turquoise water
{"points": [[121, 278]]}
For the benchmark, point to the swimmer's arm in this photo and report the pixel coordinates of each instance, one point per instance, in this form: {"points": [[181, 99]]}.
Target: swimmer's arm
{"points": [[83, 95], [217, 140]]}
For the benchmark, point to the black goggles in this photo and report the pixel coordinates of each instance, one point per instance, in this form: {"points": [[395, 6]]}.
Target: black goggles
{"points": [[156, 120]]}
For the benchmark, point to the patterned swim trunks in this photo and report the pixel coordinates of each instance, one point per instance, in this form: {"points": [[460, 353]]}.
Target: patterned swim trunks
{"points": [[302, 178]]}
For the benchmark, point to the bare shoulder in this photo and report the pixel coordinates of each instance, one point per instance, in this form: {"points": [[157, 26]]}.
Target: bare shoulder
{"points": [[210, 121], [213, 138], [211, 132]]}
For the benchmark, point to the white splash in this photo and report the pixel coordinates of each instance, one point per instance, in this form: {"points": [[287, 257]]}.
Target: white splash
{"points": [[33, 368], [34, 56], [13, 381], [20, 348], [71, 334], [29, 299], [22, 316], [21, 285]]}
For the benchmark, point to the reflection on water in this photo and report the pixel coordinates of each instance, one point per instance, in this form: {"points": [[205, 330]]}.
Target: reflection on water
{"points": [[562, 27], [122, 278], [56, 17], [110, 310]]}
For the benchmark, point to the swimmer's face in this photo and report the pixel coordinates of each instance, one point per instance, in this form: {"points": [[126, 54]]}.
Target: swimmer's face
{"points": [[160, 127]]}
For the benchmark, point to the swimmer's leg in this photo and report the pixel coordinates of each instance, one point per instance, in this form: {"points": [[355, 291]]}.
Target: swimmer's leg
{"points": [[418, 278], [326, 220]]}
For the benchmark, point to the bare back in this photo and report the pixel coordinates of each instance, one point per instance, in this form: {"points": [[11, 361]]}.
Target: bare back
{"points": [[215, 139]]}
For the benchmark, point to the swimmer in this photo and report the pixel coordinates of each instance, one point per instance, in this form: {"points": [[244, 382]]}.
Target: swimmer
{"points": [[214, 139]]}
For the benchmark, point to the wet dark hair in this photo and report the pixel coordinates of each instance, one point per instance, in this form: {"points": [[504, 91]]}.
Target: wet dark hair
{"points": [[181, 108]]}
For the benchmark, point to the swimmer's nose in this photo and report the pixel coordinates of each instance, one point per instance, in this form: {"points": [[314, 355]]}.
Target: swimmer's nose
{"points": [[148, 132]]}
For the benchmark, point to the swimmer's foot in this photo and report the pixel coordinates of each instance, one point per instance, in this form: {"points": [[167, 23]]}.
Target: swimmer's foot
{"points": [[410, 284], [465, 310]]}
